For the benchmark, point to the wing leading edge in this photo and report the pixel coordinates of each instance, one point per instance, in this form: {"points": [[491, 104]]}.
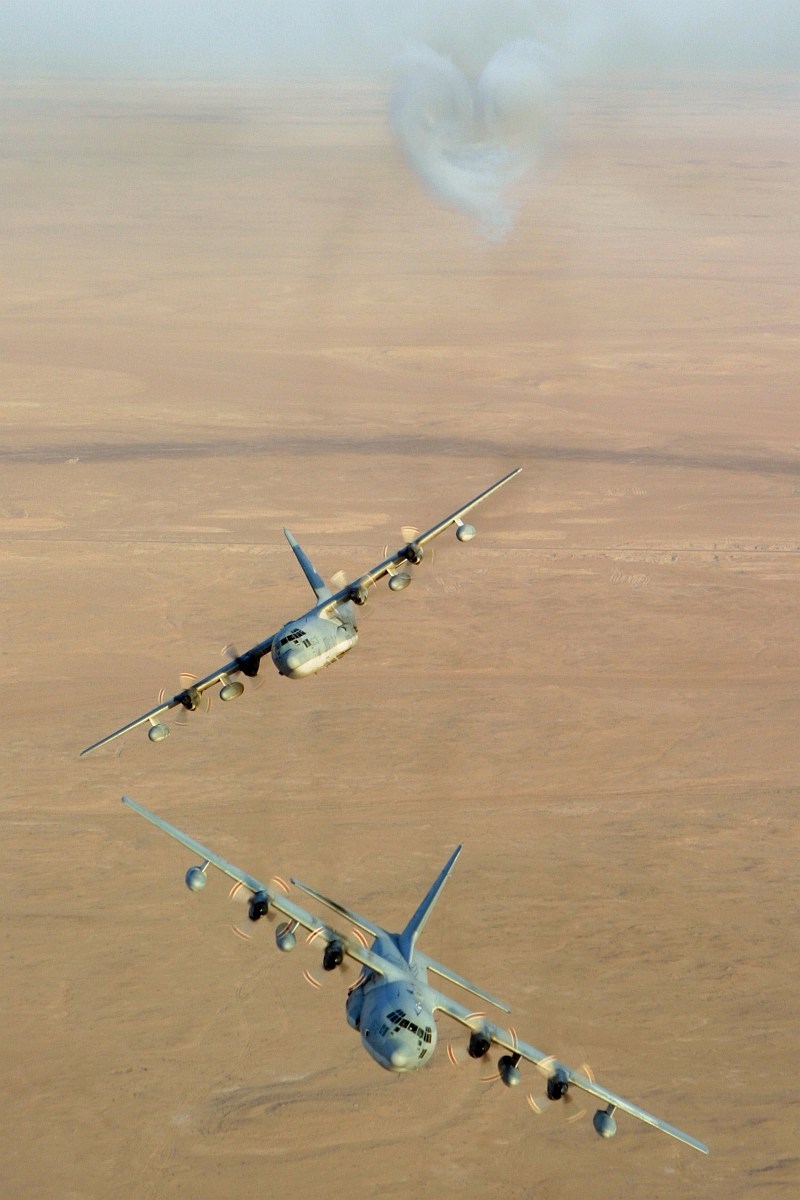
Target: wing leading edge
{"points": [[350, 945], [246, 663], [370, 578], [509, 1041]]}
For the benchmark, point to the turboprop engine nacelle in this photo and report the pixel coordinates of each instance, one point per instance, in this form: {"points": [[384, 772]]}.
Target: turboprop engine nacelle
{"points": [[479, 1044], [258, 907], [333, 956], [359, 594]]}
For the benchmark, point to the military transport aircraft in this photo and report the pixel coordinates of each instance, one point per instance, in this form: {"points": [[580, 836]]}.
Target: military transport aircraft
{"points": [[318, 638], [392, 1005]]}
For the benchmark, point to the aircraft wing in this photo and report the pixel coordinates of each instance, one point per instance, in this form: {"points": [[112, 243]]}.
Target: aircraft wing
{"points": [[404, 555], [508, 1039], [317, 929], [362, 922], [246, 663]]}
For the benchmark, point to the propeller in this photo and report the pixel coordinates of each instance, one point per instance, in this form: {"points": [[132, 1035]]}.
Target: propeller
{"points": [[241, 894], [556, 1089], [334, 961], [462, 1053], [203, 702], [339, 579], [159, 729], [232, 688], [400, 576]]}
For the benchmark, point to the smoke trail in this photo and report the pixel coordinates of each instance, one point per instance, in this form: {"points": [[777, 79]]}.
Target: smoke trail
{"points": [[469, 145]]}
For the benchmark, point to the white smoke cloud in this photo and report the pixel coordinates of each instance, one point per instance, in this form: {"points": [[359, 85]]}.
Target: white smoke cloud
{"points": [[470, 144]]}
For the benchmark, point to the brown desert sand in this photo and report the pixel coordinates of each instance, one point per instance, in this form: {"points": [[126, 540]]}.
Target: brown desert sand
{"points": [[227, 309]]}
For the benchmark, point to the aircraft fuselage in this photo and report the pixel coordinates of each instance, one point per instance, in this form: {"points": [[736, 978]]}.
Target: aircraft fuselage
{"points": [[310, 643], [397, 1028]]}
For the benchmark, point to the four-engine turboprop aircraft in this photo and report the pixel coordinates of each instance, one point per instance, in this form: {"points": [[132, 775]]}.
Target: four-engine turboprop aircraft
{"points": [[318, 638], [392, 1005]]}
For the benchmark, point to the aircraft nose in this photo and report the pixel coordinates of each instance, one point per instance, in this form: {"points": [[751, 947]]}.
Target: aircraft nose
{"points": [[401, 1057], [293, 660]]}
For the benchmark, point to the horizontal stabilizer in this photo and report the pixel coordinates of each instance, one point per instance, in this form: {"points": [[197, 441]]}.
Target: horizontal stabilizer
{"points": [[334, 905], [446, 973]]}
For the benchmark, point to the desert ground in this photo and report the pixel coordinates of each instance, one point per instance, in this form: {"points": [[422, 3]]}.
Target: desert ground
{"points": [[227, 308]]}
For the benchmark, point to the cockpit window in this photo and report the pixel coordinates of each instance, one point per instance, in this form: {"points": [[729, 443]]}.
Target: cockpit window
{"points": [[399, 1019], [294, 635]]}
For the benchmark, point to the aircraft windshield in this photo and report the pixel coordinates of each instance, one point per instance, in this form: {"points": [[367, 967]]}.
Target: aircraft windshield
{"points": [[401, 1021]]}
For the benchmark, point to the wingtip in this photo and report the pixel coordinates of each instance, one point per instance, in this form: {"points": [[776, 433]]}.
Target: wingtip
{"points": [[287, 533]]}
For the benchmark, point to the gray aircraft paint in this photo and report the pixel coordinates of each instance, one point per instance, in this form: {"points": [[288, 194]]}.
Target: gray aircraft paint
{"points": [[393, 1004], [320, 636]]}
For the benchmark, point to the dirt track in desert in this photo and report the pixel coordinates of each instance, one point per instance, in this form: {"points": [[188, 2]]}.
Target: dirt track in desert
{"points": [[226, 309]]}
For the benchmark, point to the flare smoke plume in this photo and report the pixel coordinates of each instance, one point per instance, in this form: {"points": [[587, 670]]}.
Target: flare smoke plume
{"points": [[471, 144]]}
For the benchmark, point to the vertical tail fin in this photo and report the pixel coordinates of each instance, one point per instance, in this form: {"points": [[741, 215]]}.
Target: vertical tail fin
{"points": [[321, 589], [408, 938]]}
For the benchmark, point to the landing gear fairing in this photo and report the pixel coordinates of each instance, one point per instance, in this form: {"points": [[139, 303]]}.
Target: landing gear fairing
{"points": [[393, 1006], [318, 638]]}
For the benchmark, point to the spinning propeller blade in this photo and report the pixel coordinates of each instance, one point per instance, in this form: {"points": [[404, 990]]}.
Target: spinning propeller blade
{"points": [[241, 894], [547, 1102], [463, 1053], [342, 968], [256, 681]]}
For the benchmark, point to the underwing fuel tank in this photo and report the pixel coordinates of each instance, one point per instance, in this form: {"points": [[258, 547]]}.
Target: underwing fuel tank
{"points": [[196, 879]]}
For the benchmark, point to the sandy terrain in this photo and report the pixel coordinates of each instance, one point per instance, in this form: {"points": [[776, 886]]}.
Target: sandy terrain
{"points": [[226, 309]]}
